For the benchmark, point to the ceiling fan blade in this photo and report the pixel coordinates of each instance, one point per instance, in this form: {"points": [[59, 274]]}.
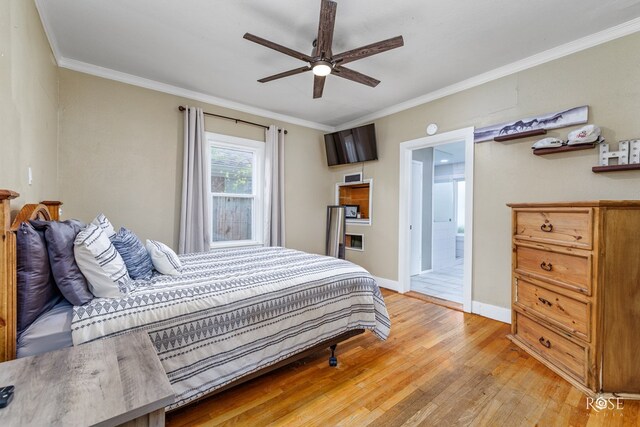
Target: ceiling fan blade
{"points": [[318, 86], [368, 50], [279, 48], [325, 28], [285, 74], [355, 76]]}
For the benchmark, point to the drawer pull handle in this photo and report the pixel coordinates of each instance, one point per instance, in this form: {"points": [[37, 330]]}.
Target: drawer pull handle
{"points": [[544, 342], [544, 301], [547, 228], [546, 267]]}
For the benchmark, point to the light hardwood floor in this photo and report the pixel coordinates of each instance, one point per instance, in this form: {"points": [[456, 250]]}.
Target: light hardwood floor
{"points": [[438, 367]]}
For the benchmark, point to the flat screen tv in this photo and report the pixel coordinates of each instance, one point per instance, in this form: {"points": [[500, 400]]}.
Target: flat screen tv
{"points": [[351, 146]]}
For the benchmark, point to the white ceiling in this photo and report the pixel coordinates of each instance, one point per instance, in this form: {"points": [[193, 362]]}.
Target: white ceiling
{"points": [[197, 45]]}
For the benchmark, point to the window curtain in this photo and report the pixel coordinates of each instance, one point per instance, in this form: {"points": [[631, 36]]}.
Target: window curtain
{"points": [[274, 187], [195, 214]]}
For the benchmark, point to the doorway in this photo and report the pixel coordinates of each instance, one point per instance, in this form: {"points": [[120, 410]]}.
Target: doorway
{"points": [[435, 230], [438, 198]]}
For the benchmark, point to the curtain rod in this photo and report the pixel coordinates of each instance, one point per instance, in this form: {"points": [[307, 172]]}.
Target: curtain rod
{"points": [[181, 108]]}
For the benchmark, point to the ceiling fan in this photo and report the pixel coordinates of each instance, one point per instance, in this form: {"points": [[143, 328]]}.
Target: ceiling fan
{"points": [[323, 62]]}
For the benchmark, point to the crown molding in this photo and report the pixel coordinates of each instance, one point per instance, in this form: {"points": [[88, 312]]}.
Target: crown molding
{"points": [[111, 74], [48, 31], [131, 79], [566, 49]]}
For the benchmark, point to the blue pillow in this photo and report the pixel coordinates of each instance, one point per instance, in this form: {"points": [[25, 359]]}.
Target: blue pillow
{"points": [[37, 291], [134, 254]]}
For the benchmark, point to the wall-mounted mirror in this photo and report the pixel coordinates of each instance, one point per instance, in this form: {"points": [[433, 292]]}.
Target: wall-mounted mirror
{"points": [[335, 231]]}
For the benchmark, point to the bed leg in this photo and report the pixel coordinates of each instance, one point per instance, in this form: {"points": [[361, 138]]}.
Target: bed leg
{"points": [[333, 360]]}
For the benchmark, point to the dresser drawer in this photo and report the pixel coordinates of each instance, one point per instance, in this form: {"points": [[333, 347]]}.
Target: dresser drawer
{"points": [[569, 270], [562, 311], [560, 351], [568, 227]]}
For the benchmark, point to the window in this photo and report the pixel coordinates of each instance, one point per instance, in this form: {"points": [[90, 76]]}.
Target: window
{"points": [[236, 190]]}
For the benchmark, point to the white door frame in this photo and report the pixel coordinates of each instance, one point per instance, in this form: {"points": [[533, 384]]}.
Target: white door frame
{"points": [[417, 228], [404, 211]]}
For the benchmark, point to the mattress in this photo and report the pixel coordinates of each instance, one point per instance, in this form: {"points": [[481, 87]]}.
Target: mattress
{"points": [[50, 331], [234, 312]]}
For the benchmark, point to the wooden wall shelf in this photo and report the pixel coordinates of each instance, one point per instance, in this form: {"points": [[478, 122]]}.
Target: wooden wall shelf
{"points": [[563, 149], [616, 168], [520, 135], [359, 194]]}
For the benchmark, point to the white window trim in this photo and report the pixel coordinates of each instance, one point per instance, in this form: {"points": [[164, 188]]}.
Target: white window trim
{"points": [[257, 147]]}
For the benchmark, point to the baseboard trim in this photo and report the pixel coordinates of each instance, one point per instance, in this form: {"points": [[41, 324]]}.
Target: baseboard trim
{"points": [[494, 312], [388, 283]]}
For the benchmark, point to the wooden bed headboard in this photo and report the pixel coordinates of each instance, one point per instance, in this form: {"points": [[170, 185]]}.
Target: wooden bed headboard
{"points": [[47, 210]]}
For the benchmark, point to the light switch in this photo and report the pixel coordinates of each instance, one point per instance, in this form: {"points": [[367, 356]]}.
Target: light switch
{"points": [[30, 176]]}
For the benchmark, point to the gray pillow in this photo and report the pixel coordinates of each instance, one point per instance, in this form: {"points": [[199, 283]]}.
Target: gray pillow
{"points": [[36, 291], [67, 274]]}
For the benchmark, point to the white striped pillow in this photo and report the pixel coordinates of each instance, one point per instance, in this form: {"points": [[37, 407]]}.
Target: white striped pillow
{"points": [[100, 263], [164, 259], [103, 222]]}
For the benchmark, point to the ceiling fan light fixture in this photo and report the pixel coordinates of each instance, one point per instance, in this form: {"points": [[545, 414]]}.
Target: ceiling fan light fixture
{"points": [[322, 68], [322, 62]]}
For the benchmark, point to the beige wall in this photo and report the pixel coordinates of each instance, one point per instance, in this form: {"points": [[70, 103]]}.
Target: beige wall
{"points": [[28, 104], [120, 151], [605, 77], [121, 154]]}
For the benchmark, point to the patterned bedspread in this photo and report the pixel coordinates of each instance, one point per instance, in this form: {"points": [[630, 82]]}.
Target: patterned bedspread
{"points": [[233, 312]]}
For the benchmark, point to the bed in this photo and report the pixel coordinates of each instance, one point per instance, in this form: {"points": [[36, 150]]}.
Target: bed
{"points": [[230, 316]]}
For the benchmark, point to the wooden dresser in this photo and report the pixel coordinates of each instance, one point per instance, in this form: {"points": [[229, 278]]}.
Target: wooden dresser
{"points": [[576, 291]]}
